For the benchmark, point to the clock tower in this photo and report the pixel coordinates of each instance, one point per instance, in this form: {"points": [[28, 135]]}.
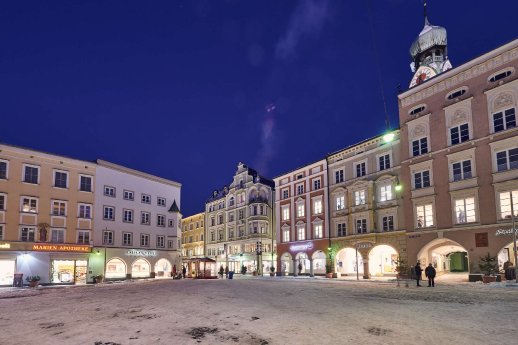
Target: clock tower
{"points": [[429, 52]]}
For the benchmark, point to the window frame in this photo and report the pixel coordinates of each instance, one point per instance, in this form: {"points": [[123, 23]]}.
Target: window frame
{"points": [[52, 202], [126, 193], [89, 206], [81, 233], [6, 162], [32, 166], [56, 171], [126, 211], [30, 198], [111, 239], [107, 191], [145, 198], [105, 207], [127, 238]]}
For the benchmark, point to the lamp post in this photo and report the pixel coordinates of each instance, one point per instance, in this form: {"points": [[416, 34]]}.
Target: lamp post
{"points": [[357, 271], [514, 238]]}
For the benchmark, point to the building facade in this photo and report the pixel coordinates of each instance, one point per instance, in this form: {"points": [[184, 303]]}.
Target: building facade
{"points": [[366, 213], [193, 241], [302, 220], [239, 227], [459, 159], [137, 225], [46, 216]]}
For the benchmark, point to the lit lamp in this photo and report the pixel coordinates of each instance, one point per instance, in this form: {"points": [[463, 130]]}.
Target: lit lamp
{"points": [[388, 137]]}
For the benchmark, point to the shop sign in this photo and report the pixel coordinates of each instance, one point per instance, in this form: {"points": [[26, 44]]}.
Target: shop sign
{"points": [[364, 245], [501, 232], [61, 248], [141, 252], [301, 247], [5, 245]]}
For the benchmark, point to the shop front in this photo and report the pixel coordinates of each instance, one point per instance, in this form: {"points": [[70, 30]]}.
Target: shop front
{"points": [[302, 258]]}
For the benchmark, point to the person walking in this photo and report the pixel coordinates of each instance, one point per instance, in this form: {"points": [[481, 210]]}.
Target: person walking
{"points": [[184, 271], [429, 272], [418, 272], [174, 271]]}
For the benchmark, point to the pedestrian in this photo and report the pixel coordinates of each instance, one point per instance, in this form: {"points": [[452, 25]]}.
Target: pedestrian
{"points": [[174, 271], [221, 271], [429, 272], [418, 272], [226, 272], [184, 271]]}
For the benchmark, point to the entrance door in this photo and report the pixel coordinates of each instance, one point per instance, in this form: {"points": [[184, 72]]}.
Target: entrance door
{"points": [[7, 268], [81, 269]]}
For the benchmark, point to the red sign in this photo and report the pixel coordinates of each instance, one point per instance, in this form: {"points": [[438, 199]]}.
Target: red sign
{"points": [[61, 248]]}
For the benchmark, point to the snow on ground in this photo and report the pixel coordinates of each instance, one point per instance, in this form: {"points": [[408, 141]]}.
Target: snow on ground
{"points": [[259, 311]]}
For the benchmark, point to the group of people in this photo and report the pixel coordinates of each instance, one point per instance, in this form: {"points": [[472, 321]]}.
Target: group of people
{"points": [[177, 275], [429, 273]]}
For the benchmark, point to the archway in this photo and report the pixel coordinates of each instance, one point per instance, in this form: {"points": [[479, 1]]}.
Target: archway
{"points": [[115, 269], [286, 264], [140, 269], [346, 262], [505, 255], [319, 262], [163, 268], [382, 261], [302, 262], [450, 259]]}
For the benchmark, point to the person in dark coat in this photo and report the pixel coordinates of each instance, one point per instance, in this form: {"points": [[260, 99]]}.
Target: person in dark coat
{"points": [[429, 272], [418, 272], [184, 271]]}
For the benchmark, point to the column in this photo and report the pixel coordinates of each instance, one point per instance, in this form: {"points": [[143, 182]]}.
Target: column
{"points": [[295, 268], [311, 274], [366, 273]]}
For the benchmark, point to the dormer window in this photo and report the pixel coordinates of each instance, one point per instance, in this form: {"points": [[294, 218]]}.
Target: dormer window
{"points": [[456, 93], [501, 75], [417, 110]]}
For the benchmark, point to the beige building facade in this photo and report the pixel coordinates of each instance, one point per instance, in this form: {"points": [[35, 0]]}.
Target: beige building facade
{"points": [[46, 216], [193, 241]]}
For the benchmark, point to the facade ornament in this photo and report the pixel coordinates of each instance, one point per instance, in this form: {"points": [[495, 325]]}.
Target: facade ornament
{"points": [[503, 100]]}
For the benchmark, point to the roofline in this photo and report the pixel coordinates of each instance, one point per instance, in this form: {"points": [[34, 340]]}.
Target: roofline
{"points": [[137, 173], [52, 155], [449, 73], [194, 215], [300, 167], [380, 136]]}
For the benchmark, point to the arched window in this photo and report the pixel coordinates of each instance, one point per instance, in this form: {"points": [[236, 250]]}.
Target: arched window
{"points": [[501, 75]]}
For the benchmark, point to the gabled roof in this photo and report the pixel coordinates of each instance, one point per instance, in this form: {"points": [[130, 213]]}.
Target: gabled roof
{"points": [[174, 208]]}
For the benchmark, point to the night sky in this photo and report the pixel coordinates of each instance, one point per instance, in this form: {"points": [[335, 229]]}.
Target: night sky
{"points": [[180, 89]]}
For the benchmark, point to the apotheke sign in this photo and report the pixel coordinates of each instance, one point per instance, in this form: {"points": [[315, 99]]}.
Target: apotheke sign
{"points": [[301, 247], [140, 252], [501, 232]]}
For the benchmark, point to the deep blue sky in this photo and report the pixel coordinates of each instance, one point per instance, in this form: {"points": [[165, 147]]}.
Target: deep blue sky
{"points": [[179, 88]]}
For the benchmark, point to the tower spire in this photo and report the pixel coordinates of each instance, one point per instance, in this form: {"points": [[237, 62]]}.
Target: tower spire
{"points": [[426, 22]]}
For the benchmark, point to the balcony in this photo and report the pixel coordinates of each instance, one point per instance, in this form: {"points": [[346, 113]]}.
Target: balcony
{"points": [[257, 200]]}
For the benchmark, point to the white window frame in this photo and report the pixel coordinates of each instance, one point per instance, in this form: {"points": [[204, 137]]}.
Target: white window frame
{"points": [[317, 181], [160, 220], [2, 232], [145, 240], [420, 146], [286, 235], [81, 233], [300, 188], [359, 196], [428, 219], [111, 237], [384, 194], [502, 111], [161, 201], [318, 231], [421, 174], [89, 206], [450, 141], [339, 202], [301, 230], [145, 198], [343, 226], [54, 171], [383, 155], [285, 193], [388, 216], [361, 221], [285, 211], [469, 215], [301, 210], [57, 230], [30, 198], [127, 193], [33, 228], [52, 202], [109, 191], [317, 206], [358, 164], [127, 239], [6, 168], [91, 183], [128, 216], [4, 206], [105, 207], [160, 241], [506, 215], [339, 176], [24, 166]]}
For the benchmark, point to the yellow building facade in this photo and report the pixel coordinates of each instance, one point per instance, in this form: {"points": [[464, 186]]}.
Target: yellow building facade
{"points": [[46, 216], [193, 230]]}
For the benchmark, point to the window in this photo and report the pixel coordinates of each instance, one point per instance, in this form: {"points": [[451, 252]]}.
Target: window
{"points": [[231, 217], [83, 237], [506, 160], [144, 240], [231, 201], [231, 233], [146, 199], [285, 213], [212, 221], [2, 202], [360, 169], [386, 192], [160, 201], [461, 170], [57, 236], [144, 218], [220, 218], [339, 176], [85, 211], [3, 170], [300, 189], [160, 220], [31, 174], [316, 184], [160, 241], [300, 210], [127, 239], [361, 226], [422, 179], [286, 235], [85, 183], [456, 94], [384, 162], [417, 110], [59, 208], [504, 120], [388, 223], [505, 203], [108, 213], [1, 232], [318, 231], [212, 236], [107, 237], [128, 195], [285, 194], [317, 206], [341, 230], [170, 244], [60, 179], [465, 210], [424, 215], [127, 216], [340, 202], [500, 76], [301, 233], [29, 204], [220, 235], [459, 134], [27, 233], [109, 191], [359, 197], [419, 147]]}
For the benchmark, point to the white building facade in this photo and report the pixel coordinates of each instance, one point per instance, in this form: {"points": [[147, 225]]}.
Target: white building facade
{"points": [[137, 225]]}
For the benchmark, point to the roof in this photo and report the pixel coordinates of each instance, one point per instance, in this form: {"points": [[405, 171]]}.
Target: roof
{"points": [[429, 37], [174, 208], [134, 172]]}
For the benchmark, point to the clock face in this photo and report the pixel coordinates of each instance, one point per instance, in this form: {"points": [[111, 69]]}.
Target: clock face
{"points": [[423, 73]]}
